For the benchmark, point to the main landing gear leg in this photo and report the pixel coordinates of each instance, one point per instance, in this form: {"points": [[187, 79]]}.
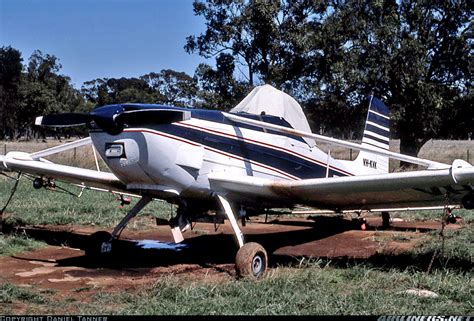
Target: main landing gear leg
{"points": [[385, 220], [100, 243], [251, 259]]}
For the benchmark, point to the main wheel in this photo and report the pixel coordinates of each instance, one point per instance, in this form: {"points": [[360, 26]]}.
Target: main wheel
{"points": [[468, 201], [251, 261], [99, 244]]}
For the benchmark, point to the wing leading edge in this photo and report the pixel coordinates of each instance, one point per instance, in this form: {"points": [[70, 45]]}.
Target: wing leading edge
{"points": [[417, 188], [23, 162]]}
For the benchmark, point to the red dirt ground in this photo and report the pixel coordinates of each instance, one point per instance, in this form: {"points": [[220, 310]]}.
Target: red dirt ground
{"points": [[209, 255]]}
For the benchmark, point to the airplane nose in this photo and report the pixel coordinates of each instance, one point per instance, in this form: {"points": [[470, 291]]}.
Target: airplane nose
{"points": [[105, 118]]}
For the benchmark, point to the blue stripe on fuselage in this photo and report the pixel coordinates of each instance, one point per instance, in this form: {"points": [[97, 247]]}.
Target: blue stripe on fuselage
{"points": [[283, 161], [218, 117]]}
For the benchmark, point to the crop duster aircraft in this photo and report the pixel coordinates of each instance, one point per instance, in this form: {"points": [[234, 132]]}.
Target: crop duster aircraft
{"points": [[258, 156]]}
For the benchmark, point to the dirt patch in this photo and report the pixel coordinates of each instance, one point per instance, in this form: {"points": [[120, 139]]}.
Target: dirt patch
{"points": [[206, 255]]}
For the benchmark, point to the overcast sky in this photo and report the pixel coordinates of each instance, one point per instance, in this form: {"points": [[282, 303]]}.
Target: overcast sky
{"points": [[103, 38]]}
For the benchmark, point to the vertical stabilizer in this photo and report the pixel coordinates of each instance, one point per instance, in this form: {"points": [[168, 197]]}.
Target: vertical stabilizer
{"points": [[376, 135]]}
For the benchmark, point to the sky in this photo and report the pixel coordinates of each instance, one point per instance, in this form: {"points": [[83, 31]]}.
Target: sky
{"points": [[103, 38]]}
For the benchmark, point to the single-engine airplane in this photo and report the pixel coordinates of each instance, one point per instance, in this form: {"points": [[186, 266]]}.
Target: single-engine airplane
{"points": [[260, 155]]}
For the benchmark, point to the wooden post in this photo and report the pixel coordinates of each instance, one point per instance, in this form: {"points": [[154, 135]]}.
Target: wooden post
{"points": [[4, 149], [350, 151], [467, 155]]}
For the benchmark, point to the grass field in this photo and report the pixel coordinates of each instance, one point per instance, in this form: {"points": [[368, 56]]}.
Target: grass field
{"points": [[316, 287], [309, 289], [34, 207], [313, 287]]}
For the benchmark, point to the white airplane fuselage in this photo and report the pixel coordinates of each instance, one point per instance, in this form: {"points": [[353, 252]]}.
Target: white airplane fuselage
{"points": [[177, 158]]}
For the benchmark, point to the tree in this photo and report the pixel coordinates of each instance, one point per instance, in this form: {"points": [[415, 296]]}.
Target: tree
{"points": [[166, 87], [218, 87], [45, 91], [331, 55], [104, 91], [430, 70], [245, 30], [278, 42], [171, 87], [10, 80], [414, 52], [95, 91]]}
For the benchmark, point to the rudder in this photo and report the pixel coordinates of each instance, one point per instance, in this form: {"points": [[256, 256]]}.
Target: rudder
{"points": [[376, 135]]}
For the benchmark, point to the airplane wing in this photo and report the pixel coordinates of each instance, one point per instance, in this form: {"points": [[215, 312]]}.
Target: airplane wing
{"points": [[414, 189], [24, 162]]}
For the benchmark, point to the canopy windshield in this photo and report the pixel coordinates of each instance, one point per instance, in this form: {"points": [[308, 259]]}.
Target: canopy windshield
{"points": [[276, 103]]}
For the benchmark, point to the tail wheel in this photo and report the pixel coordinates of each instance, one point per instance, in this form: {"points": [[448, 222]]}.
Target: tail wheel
{"points": [[251, 261], [99, 244]]}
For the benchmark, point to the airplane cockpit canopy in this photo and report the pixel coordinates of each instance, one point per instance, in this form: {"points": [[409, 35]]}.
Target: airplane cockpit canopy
{"points": [[275, 102]]}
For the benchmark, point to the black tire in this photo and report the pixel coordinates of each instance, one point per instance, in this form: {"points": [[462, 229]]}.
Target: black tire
{"points": [[468, 202], [99, 244], [251, 261]]}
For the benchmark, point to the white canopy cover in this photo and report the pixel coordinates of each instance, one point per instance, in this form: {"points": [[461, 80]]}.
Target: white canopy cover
{"points": [[276, 103]]}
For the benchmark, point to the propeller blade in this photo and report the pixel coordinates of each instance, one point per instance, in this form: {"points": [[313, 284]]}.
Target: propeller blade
{"points": [[64, 120], [112, 119]]}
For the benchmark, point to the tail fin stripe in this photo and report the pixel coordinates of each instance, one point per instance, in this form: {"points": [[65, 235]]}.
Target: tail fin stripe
{"points": [[378, 106], [379, 114], [374, 136], [378, 120], [387, 149], [377, 135], [377, 129], [374, 143]]}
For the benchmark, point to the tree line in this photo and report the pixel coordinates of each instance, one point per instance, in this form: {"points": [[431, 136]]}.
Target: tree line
{"points": [[329, 55]]}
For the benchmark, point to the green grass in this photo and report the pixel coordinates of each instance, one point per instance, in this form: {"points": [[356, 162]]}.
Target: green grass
{"points": [[13, 244], [466, 215], [33, 301], [458, 245], [10, 293], [310, 288], [35, 207]]}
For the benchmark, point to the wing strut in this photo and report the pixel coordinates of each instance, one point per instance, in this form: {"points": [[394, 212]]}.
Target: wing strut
{"points": [[9, 199], [230, 215], [337, 142], [60, 148]]}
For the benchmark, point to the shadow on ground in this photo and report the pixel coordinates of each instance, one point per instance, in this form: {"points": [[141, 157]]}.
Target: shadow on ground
{"points": [[212, 249]]}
